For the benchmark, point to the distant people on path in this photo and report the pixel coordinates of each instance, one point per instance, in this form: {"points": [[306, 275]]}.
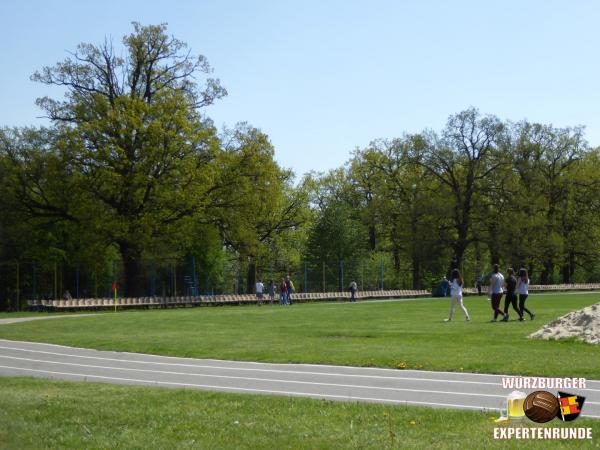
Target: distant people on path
{"points": [[445, 285], [283, 299], [271, 291], [511, 295], [67, 295], [523, 291], [259, 292], [290, 289], [496, 291], [456, 292], [353, 290]]}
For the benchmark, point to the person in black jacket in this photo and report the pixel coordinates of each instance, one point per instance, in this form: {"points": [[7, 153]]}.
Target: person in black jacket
{"points": [[511, 295]]}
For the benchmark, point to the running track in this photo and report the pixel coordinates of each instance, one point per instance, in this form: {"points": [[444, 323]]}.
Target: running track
{"points": [[406, 387]]}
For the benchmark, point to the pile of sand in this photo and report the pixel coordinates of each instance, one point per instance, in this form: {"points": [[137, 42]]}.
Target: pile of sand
{"points": [[583, 324]]}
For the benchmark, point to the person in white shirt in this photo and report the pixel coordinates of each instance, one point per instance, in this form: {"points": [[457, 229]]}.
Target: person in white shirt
{"points": [[456, 294], [353, 289], [496, 291], [523, 291], [259, 291]]}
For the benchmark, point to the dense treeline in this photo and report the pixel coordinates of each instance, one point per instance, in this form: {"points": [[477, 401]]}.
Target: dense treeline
{"points": [[481, 191], [131, 178]]}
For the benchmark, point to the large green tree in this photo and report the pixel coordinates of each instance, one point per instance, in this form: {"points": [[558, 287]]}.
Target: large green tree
{"points": [[463, 161], [139, 154], [413, 217], [548, 197], [260, 206]]}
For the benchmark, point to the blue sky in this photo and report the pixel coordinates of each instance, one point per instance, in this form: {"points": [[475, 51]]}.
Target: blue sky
{"points": [[324, 77]]}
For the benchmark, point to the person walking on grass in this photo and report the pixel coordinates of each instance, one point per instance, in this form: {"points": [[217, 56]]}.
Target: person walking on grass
{"points": [[259, 292], [495, 291], [523, 291], [511, 295], [290, 289], [456, 294], [353, 289], [283, 298], [271, 291], [445, 285]]}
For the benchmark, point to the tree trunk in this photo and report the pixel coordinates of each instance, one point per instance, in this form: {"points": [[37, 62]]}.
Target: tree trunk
{"points": [[251, 277], [568, 269], [459, 252], [478, 268], [493, 245], [546, 276], [133, 270], [416, 272], [462, 220], [565, 272], [372, 236], [396, 255]]}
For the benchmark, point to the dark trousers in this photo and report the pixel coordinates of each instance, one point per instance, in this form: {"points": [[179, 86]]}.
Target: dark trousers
{"points": [[496, 305], [511, 299], [522, 298]]}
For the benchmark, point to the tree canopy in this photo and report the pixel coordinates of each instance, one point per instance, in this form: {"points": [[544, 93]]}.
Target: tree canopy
{"points": [[131, 172]]}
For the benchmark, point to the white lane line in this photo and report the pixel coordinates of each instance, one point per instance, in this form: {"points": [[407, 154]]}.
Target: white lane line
{"points": [[267, 391], [231, 377], [380, 369], [200, 366], [145, 355]]}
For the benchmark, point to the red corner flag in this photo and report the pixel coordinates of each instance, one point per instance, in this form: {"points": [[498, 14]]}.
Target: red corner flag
{"points": [[114, 285]]}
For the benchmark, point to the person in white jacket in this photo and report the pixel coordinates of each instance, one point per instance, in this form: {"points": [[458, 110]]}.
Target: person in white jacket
{"points": [[523, 291], [456, 293]]}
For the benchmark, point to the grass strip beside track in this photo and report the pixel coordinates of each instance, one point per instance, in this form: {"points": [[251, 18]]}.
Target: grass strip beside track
{"points": [[408, 334], [49, 414]]}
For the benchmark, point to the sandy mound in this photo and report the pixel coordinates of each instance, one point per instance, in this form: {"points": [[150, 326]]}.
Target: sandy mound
{"points": [[583, 324]]}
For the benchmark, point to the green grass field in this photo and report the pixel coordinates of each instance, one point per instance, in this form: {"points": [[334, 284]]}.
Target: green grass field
{"points": [[405, 334], [41, 414]]}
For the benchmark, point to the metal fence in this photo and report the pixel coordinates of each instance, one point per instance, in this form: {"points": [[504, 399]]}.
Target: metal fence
{"points": [[43, 280], [170, 277]]}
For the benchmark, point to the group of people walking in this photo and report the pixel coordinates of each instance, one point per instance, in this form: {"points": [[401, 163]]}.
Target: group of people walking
{"points": [[285, 288], [513, 286], [499, 286]]}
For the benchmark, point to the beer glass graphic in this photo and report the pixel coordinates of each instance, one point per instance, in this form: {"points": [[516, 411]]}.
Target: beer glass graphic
{"points": [[514, 404]]}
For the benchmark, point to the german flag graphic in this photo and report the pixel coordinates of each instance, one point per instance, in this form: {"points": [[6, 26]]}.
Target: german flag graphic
{"points": [[570, 406]]}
